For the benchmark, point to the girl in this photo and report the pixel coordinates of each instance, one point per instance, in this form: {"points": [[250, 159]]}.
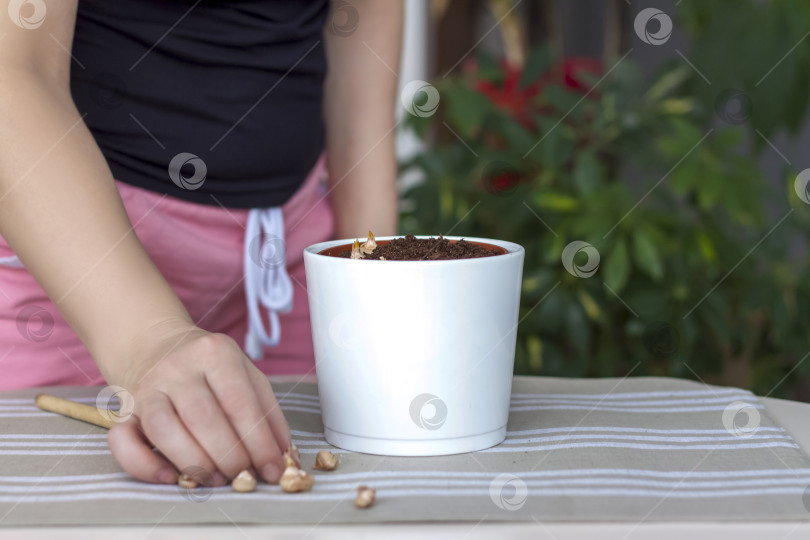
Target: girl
{"points": [[159, 177]]}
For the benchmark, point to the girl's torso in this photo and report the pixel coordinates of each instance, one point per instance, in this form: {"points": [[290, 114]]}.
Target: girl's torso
{"points": [[238, 84]]}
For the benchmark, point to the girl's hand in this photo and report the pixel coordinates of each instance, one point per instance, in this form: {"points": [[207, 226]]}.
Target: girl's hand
{"points": [[204, 405]]}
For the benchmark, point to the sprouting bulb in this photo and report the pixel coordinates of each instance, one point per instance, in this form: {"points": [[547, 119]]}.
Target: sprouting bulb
{"points": [[369, 245], [357, 252]]}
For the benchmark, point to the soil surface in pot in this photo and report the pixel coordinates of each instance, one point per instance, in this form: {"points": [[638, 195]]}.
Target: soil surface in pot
{"points": [[410, 248]]}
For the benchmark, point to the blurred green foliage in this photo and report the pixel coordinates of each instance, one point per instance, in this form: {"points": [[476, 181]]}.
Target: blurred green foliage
{"points": [[700, 275]]}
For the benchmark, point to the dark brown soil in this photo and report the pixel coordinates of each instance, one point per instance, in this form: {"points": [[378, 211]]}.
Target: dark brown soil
{"points": [[410, 248]]}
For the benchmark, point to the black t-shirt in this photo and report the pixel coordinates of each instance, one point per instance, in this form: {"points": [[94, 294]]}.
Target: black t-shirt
{"points": [[228, 90]]}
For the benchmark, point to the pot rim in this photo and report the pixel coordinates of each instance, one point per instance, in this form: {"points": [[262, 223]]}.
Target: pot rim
{"points": [[512, 250]]}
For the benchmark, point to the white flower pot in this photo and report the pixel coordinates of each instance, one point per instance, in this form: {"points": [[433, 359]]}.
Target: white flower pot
{"points": [[414, 358]]}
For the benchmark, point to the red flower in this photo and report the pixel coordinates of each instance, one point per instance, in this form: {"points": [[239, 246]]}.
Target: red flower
{"points": [[508, 95], [519, 102], [504, 181], [574, 68], [501, 182]]}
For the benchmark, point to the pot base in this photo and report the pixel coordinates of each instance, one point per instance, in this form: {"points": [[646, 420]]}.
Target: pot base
{"points": [[410, 447]]}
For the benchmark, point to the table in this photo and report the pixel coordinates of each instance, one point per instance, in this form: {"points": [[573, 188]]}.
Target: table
{"points": [[790, 415]]}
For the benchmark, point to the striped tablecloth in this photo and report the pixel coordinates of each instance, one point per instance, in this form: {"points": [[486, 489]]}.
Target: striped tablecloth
{"points": [[642, 449]]}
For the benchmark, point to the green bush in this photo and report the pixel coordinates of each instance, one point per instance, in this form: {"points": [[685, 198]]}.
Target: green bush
{"points": [[698, 275]]}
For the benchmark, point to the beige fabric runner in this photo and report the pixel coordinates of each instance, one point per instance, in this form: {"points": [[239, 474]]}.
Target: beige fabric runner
{"points": [[641, 449]]}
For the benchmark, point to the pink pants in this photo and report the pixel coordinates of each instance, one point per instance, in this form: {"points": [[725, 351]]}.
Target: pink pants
{"points": [[199, 250]]}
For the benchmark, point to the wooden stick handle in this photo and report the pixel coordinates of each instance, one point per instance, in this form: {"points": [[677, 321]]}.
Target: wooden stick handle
{"points": [[78, 411]]}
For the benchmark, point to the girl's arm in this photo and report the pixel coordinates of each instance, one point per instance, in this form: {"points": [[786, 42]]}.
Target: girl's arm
{"points": [[361, 97], [197, 398]]}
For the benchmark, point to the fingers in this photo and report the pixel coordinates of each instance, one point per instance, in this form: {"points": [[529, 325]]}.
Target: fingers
{"points": [[271, 409], [203, 417], [134, 453], [162, 426], [210, 412], [234, 390]]}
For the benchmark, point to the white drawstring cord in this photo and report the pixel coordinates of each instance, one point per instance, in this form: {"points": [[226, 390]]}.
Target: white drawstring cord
{"points": [[13, 262], [266, 278]]}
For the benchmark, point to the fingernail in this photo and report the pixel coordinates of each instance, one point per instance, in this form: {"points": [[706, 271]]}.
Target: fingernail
{"points": [[167, 476], [271, 473]]}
